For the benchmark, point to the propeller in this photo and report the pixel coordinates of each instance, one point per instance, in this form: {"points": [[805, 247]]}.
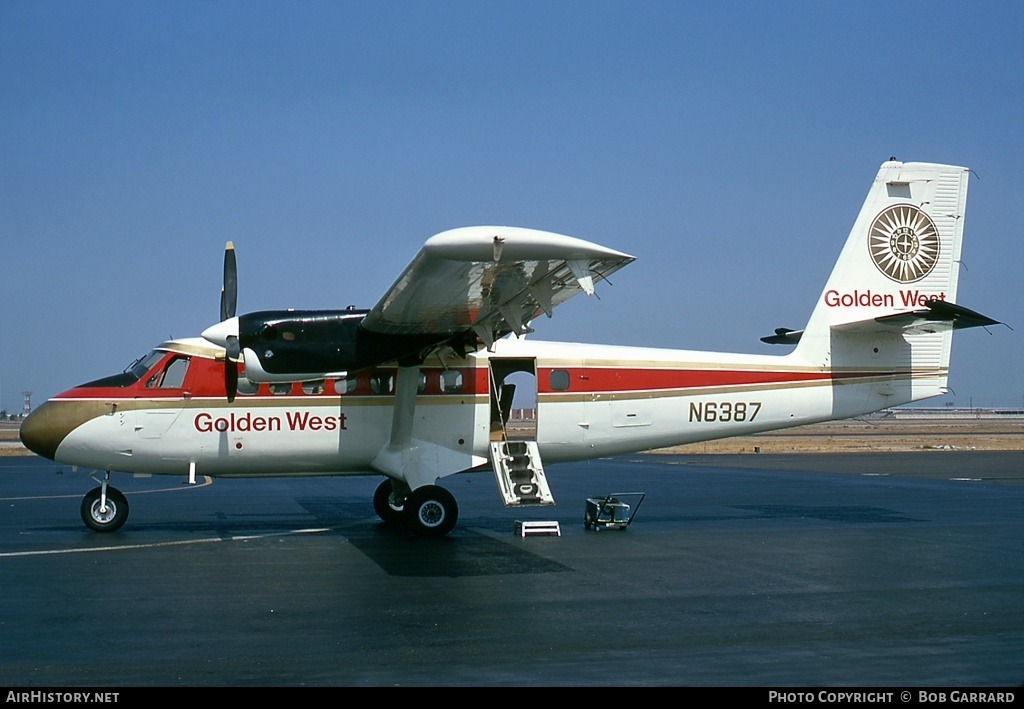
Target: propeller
{"points": [[229, 291], [231, 357], [228, 303]]}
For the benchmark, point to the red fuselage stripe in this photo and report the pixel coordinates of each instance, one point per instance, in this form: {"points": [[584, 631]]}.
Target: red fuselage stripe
{"points": [[205, 379], [604, 379]]}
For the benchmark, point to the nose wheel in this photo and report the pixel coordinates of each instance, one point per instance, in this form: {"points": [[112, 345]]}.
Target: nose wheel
{"points": [[104, 510]]}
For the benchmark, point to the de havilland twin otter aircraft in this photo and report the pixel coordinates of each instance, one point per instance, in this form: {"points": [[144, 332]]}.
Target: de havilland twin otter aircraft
{"points": [[417, 387]]}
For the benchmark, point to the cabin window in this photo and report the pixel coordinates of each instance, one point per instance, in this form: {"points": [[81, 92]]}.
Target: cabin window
{"points": [[245, 387], [313, 388], [281, 388], [559, 379], [451, 381], [421, 385], [346, 385], [382, 383]]}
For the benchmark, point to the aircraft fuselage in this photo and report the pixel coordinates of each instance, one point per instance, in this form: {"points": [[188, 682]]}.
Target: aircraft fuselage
{"points": [[591, 401]]}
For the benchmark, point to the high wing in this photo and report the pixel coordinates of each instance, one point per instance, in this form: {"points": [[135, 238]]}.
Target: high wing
{"points": [[465, 288], [489, 280]]}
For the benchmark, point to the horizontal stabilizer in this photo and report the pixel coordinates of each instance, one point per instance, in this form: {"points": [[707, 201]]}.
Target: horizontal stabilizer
{"points": [[783, 336], [936, 316]]}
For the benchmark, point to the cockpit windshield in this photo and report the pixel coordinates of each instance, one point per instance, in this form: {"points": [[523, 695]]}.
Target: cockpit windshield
{"points": [[143, 364], [131, 374]]}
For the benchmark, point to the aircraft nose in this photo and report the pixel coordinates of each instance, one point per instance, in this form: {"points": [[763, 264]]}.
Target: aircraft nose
{"points": [[218, 334], [39, 433], [44, 429]]}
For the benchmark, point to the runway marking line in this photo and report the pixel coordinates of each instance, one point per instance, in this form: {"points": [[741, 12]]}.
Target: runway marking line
{"points": [[207, 480], [153, 545]]}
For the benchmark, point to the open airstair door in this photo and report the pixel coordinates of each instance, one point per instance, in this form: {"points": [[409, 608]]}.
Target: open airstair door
{"points": [[515, 456], [519, 473]]}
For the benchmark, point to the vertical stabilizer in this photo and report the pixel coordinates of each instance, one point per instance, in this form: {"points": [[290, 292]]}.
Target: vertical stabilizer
{"points": [[903, 251]]}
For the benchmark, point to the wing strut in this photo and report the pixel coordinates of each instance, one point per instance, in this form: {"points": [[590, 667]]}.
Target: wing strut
{"points": [[413, 462], [395, 457], [405, 406]]}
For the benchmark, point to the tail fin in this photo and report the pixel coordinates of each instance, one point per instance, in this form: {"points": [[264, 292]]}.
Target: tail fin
{"points": [[887, 312]]}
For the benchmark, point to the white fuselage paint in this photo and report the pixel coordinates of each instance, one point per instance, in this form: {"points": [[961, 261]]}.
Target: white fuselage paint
{"points": [[332, 435]]}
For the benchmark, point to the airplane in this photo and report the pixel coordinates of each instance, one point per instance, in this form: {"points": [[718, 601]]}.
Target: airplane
{"points": [[420, 386]]}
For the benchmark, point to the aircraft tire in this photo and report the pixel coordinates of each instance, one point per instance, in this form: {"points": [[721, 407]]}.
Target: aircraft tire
{"points": [[104, 521], [431, 511], [382, 504]]}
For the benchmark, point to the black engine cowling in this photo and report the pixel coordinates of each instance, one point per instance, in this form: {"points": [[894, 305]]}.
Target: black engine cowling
{"points": [[304, 343]]}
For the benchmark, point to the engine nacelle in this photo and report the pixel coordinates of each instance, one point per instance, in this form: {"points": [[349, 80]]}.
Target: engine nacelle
{"points": [[295, 345]]}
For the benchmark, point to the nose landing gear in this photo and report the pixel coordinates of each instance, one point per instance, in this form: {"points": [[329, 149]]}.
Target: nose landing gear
{"points": [[104, 508]]}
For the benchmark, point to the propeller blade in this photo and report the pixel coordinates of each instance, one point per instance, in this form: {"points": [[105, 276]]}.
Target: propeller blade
{"points": [[233, 348], [229, 291], [230, 379], [233, 352]]}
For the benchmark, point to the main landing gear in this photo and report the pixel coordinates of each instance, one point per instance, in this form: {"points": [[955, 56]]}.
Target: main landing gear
{"points": [[104, 509], [429, 511]]}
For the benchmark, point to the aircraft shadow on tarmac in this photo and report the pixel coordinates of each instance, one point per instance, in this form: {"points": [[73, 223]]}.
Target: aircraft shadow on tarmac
{"points": [[397, 552]]}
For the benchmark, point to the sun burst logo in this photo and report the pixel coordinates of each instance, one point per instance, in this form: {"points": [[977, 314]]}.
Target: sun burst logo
{"points": [[904, 243]]}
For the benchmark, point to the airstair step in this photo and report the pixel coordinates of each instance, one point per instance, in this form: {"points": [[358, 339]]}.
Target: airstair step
{"points": [[520, 473]]}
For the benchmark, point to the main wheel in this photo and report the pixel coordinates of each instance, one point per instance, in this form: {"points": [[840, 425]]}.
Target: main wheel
{"points": [[104, 519], [383, 506], [430, 511]]}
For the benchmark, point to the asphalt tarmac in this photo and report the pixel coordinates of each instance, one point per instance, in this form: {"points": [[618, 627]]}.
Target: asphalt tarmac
{"points": [[870, 570]]}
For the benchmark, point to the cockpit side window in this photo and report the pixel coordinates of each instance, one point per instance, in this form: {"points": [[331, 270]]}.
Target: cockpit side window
{"points": [[172, 376]]}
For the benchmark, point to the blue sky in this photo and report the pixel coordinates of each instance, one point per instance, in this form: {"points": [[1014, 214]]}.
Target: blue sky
{"points": [[727, 145]]}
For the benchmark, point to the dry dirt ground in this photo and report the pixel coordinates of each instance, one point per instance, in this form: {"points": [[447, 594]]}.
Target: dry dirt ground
{"points": [[873, 435], [885, 435]]}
